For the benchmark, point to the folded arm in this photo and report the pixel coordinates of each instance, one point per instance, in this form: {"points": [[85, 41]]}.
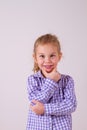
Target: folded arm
{"points": [[41, 92], [66, 106]]}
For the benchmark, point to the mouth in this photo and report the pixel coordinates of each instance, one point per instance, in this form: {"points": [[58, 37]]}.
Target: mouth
{"points": [[48, 67]]}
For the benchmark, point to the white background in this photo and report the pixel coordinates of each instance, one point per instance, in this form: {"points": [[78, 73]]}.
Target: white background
{"points": [[21, 22]]}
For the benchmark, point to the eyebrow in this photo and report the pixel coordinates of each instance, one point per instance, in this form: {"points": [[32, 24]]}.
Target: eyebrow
{"points": [[51, 53]]}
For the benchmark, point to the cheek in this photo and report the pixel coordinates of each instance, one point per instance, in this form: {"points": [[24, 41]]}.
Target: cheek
{"points": [[40, 62], [54, 60]]}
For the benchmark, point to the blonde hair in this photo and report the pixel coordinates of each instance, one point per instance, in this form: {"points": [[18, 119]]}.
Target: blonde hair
{"points": [[43, 40]]}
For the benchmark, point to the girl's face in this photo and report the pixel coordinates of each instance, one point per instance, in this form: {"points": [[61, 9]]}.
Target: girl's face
{"points": [[47, 57]]}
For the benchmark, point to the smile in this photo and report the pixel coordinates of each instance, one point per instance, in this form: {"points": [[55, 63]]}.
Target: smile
{"points": [[48, 66]]}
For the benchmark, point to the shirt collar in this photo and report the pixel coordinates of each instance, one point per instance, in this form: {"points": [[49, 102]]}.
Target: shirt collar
{"points": [[39, 74]]}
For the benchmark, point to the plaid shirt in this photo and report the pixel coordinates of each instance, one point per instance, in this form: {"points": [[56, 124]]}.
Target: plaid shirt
{"points": [[59, 101]]}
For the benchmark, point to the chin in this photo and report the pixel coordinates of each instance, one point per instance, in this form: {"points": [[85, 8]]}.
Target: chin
{"points": [[49, 71]]}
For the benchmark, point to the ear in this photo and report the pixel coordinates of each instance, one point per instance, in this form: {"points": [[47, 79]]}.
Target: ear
{"points": [[34, 57], [60, 56]]}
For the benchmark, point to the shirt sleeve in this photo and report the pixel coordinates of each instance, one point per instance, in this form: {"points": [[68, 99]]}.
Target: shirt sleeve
{"points": [[46, 92], [67, 105]]}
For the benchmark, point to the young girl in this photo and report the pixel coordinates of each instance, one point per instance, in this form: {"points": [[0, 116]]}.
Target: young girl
{"points": [[51, 94]]}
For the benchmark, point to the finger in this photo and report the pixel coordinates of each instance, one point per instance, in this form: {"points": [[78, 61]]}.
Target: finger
{"points": [[45, 73], [55, 69], [35, 101], [31, 107]]}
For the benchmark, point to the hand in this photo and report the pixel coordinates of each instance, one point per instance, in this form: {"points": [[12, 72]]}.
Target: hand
{"points": [[37, 108], [54, 75]]}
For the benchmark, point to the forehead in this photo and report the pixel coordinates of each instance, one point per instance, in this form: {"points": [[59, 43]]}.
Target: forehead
{"points": [[50, 48]]}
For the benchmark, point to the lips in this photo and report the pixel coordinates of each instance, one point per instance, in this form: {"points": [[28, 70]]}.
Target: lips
{"points": [[48, 66]]}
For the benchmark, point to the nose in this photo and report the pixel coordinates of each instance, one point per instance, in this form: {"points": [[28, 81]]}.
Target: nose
{"points": [[47, 59]]}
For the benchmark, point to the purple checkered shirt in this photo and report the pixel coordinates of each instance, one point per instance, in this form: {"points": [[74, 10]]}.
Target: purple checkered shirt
{"points": [[59, 101]]}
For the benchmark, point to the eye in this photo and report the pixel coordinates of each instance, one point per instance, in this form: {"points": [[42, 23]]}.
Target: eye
{"points": [[52, 55], [42, 56]]}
